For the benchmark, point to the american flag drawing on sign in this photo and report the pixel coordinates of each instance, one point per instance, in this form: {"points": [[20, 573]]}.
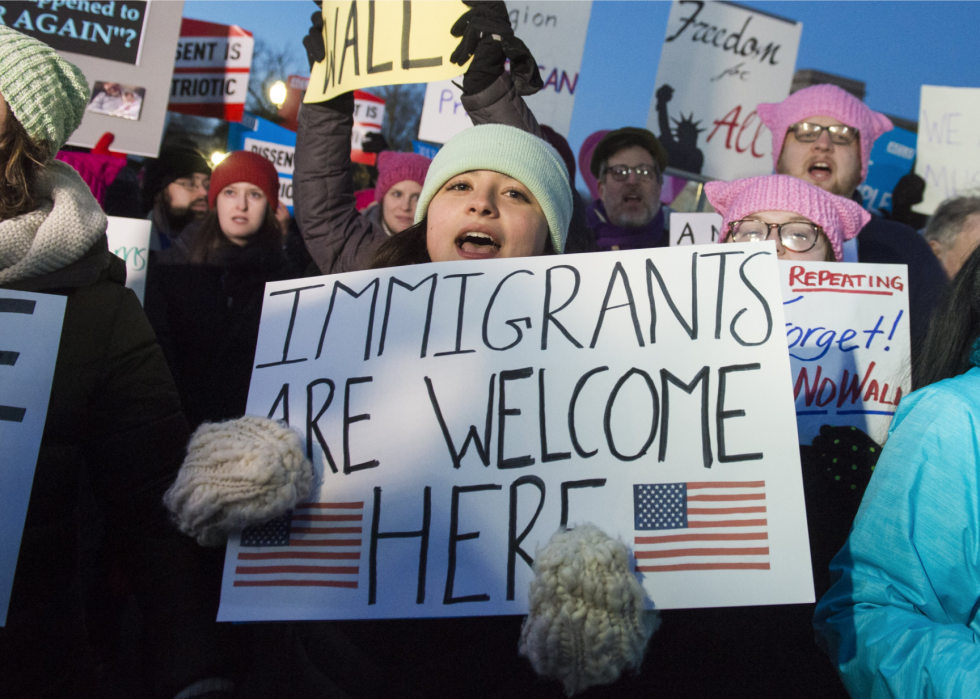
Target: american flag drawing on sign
{"points": [[700, 526], [316, 545]]}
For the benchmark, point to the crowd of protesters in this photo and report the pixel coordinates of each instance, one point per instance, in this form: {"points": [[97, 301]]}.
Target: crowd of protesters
{"points": [[130, 386]]}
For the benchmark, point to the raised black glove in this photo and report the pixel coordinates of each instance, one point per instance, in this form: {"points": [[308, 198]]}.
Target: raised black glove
{"points": [[374, 142], [488, 37], [316, 51], [483, 21]]}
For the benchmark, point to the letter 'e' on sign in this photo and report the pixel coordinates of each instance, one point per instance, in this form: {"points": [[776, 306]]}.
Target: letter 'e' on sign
{"points": [[30, 331], [372, 43]]}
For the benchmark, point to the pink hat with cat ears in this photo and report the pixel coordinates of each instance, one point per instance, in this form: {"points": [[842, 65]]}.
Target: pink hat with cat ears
{"points": [[824, 100], [840, 218]]}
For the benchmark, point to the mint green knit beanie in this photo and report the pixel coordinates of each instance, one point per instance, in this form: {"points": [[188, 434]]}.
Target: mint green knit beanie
{"points": [[512, 152], [46, 93]]}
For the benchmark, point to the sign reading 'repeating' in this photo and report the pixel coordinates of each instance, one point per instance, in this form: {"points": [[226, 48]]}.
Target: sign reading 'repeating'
{"points": [[458, 414]]}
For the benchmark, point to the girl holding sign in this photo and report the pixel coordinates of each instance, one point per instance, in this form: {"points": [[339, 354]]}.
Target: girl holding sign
{"points": [[114, 413]]}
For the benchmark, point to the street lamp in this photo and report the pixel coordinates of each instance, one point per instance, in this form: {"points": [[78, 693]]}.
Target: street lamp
{"points": [[217, 157], [277, 93]]}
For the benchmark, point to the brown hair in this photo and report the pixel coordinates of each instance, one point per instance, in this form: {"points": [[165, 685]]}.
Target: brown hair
{"points": [[211, 237], [409, 248], [22, 160]]}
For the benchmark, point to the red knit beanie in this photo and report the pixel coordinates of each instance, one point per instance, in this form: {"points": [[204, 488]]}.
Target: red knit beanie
{"points": [[243, 166], [394, 167]]}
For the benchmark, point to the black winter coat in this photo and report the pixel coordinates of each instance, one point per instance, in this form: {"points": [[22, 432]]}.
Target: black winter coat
{"points": [[113, 413], [207, 319]]}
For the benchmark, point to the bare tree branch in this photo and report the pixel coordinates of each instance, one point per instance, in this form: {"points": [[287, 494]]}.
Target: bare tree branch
{"points": [[403, 112], [268, 66]]}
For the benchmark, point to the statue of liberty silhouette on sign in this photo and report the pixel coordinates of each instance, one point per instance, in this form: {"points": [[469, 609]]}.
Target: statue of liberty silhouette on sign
{"points": [[681, 141]]}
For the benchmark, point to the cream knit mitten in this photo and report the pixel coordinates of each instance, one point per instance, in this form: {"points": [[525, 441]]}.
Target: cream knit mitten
{"points": [[586, 622], [240, 472]]}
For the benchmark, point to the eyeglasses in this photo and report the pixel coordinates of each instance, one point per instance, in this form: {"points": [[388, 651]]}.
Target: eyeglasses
{"points": [[195, 184], [643, 172], [798, 236], [840, 134]]}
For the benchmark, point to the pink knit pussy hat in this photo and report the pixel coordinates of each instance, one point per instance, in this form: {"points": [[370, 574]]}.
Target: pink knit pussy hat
{"points": [[824, 100], [840, 218], [394, 167]]}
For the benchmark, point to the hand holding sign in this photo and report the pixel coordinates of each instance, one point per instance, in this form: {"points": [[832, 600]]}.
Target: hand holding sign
{"points": [[360, 40]]}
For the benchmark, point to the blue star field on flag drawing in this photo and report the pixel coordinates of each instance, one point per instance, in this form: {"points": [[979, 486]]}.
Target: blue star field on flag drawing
{"points": [[660, 506]]}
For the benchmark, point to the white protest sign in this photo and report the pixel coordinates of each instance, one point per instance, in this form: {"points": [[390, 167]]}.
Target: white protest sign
{"points": [[718, 62], [458, 413], [555, 33], [948, 143], [129, 239], [211, 70], [30, 331], [695, 229], [847, 327]]}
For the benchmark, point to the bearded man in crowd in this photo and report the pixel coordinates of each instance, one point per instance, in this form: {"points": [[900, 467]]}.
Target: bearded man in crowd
{"points": [[824, 135]]}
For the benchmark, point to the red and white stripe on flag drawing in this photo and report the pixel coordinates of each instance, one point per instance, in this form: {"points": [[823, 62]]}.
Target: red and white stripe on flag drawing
{"points": [[701, 526], [317, 545]]}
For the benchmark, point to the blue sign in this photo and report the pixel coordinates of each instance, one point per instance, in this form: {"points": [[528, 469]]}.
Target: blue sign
{"points": [[425, 148], [892, 157], [273, 142]]}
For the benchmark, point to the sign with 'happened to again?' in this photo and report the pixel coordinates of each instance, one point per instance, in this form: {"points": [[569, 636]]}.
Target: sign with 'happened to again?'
{"points": [[30, 332], [847, 327], [718, 62], [372, 43], [111, 30], [457, 414]]}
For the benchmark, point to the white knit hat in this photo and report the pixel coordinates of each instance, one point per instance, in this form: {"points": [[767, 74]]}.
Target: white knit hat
{"points": [[237, 473], [586, 621], [510, 151]]}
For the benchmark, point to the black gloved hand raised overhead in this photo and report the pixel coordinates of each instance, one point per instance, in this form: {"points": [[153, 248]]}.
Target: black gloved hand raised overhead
{"points": [[486, 35], [316, 51], [374, 142]]}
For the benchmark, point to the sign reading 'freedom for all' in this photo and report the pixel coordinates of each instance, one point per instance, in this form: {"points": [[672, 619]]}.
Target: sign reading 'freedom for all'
{"points": [[458, 413], [372, 43]]}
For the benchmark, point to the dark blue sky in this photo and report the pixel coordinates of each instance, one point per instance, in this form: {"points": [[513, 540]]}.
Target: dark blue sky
{"points": [[894, 47]]}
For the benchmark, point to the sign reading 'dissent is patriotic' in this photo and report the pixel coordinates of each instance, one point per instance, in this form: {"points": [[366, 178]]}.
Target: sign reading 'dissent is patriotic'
{"points": [[719, 61], [30, 332], [458, 414], [847, 327], [211, 70]]}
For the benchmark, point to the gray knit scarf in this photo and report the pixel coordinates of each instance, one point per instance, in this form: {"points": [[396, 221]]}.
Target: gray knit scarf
{"points": [[67, 222]]}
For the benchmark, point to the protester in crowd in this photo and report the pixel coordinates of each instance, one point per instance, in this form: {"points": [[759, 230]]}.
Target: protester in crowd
{"points": [[113, 413], [900, 619], [814, 228], [907, 192], [628, 165], [175, 192], [768, 651], [204, 294], [340, 239], [578, 229], [953, 232], [823, 135]]}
